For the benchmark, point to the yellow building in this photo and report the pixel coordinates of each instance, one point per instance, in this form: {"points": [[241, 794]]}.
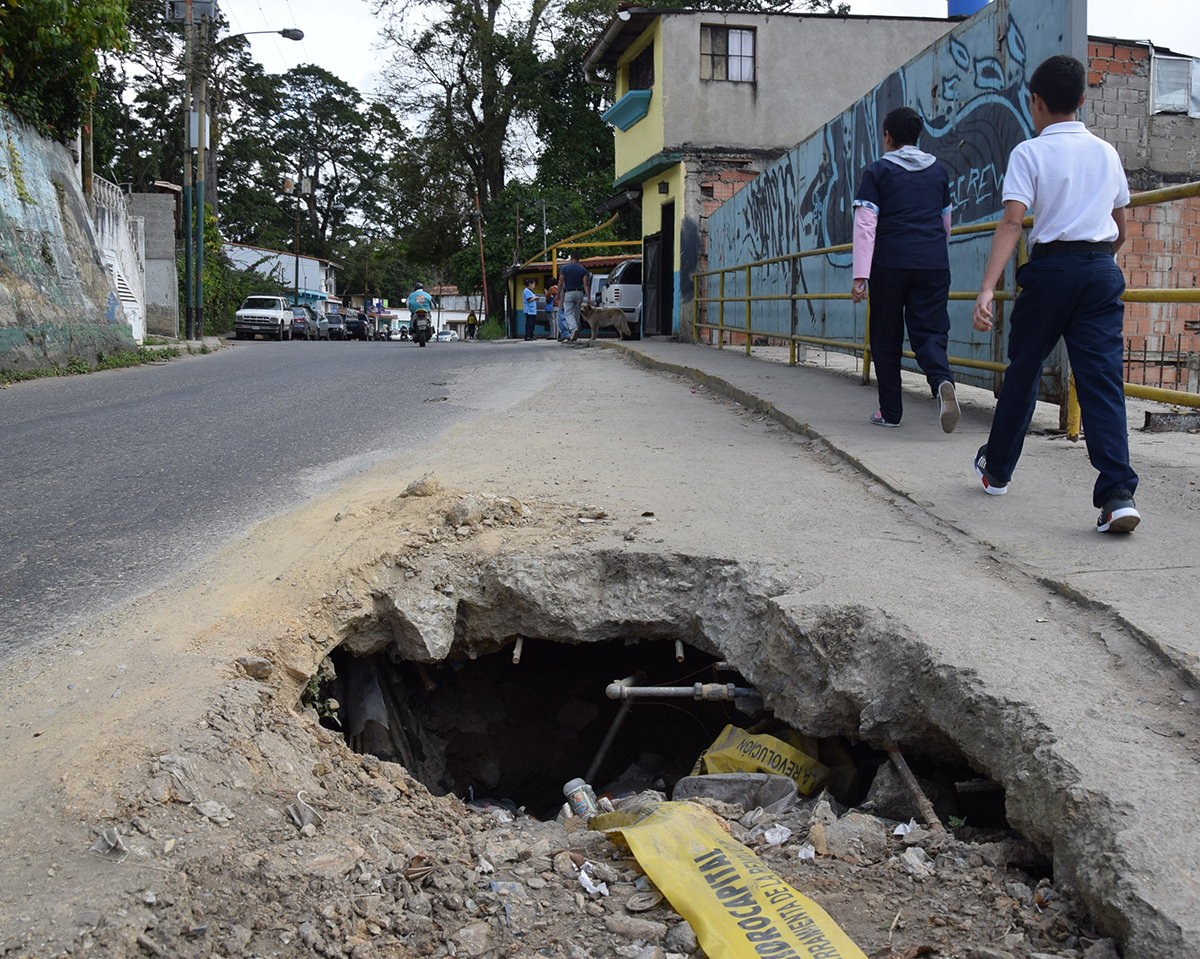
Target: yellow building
{"points": [[705, 100]]}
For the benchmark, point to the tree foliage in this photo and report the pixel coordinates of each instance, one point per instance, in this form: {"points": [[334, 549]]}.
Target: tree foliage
{"points": [[49, 58]]}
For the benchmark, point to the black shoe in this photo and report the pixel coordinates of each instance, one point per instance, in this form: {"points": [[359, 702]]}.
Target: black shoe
{"points": [[991, 485], [1118, 515]]}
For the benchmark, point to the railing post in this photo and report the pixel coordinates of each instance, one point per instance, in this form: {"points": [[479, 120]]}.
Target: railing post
{"points": [[749, 337], [721, 315], [794, 273], [695, 309]]}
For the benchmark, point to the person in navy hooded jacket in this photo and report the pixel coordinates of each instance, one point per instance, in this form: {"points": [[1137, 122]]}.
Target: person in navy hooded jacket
{"points": [[901, 231]]}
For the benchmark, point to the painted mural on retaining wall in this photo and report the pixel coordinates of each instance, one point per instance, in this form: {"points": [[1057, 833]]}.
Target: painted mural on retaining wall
{"points": [[971, 89], [56, 300]]}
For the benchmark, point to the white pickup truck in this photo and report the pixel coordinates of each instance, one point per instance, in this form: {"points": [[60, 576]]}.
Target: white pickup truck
{"points": [[269, 315]]}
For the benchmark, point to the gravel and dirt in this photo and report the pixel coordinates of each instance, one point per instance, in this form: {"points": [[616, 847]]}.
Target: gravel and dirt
{"points": [[150, 759]]}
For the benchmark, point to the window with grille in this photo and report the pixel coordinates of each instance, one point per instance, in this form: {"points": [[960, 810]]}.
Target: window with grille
{"points": [[641, 70], [727, 53]]}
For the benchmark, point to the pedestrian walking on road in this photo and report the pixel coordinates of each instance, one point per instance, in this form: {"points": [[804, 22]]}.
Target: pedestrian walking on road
{"points": [[901, 230], [1071, 288], [576, 284], [530, 307]]}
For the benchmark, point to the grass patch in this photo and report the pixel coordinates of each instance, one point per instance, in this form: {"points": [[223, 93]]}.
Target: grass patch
{"points": [[493, 329], [104, 361]]}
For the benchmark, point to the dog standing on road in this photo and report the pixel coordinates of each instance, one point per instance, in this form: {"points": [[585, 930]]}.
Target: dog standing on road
{"points": [[597, 318]]}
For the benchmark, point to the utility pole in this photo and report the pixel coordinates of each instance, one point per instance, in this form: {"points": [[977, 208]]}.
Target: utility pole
{"points": [[202, 137], [189, 29]]}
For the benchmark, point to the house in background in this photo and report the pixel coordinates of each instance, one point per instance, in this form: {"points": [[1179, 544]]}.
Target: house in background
{"points": [[311, 280], [705, 100], [1145, 101]]}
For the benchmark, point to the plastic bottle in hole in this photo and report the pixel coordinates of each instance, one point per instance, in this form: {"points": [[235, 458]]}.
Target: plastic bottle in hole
{"points": [[582, 798]]}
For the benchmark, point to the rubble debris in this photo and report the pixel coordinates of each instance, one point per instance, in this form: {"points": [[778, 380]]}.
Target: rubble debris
{"points": [[256, 667]]}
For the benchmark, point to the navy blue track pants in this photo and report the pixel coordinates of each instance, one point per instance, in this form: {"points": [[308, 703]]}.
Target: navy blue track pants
{"points": [[915, 299], [1074, 295]]}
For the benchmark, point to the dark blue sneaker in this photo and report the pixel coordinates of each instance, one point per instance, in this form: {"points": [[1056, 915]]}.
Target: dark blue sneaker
{"points": [[1118, 515], [991, 485]]}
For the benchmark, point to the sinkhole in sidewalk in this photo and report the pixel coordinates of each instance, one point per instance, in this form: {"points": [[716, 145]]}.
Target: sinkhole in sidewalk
{"points": [[516, 732]]}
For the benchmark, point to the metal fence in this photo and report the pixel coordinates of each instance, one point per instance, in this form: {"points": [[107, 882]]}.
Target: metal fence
{"points": [[743, 276]]}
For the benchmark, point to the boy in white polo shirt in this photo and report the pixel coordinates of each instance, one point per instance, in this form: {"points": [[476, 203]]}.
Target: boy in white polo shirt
{"points": [[1074, 184]]}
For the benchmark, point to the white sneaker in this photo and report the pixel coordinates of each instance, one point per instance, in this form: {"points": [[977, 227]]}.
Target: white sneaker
{"points": [[948, 410]]}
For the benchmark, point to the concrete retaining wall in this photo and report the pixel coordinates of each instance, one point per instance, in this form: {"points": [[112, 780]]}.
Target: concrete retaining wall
{"points": [[157, 211], [57, 302]]}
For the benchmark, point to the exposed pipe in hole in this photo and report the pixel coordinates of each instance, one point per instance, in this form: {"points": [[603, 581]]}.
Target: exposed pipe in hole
{"points": [[626, 706], [924, 806], [426, 679], [679, 650], [705, 692], [517, 647]]}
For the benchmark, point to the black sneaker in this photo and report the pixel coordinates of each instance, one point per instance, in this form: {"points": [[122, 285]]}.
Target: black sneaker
{"points": [[1118, 515], [991, 485]]}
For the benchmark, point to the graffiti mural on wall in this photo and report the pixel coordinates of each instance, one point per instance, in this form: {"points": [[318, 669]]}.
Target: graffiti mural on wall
{"points": [[975, 112]]}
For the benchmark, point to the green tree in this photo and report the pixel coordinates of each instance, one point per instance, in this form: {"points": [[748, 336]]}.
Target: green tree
{"points": [[50, 58]]}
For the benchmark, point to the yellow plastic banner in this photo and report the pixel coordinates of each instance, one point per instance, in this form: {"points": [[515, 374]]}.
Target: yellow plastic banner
{"points": [[737, 751], [738, 907]]}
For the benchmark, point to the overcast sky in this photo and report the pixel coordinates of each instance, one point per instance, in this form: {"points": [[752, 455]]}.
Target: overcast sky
{"points": [[340, 34]]}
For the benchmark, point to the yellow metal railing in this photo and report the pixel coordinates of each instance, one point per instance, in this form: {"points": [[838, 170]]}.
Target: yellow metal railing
{"points": [[568, 244], [1147, 198]]}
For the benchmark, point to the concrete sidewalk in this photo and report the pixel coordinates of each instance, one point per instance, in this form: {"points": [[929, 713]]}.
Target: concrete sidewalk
{"points": [[1046, 522]]}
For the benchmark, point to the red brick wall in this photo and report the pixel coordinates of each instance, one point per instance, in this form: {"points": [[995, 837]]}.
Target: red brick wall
{"points": [[1162, 252], [1163, 247]]}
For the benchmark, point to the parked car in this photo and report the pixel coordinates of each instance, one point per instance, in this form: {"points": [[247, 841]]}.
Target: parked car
{"points": [[357, 327], [623, 290], [337, 327], [446, 336], [268, 315], [305, 323]]}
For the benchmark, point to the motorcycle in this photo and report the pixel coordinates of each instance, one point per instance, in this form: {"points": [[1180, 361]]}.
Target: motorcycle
{"points": [[422, 328]]}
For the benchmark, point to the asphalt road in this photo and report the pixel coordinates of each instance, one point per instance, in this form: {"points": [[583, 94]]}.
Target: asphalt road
{"points": [[115, 482]]}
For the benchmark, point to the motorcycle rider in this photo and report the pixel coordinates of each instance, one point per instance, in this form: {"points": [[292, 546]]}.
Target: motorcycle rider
{"points": [[419, 300]]}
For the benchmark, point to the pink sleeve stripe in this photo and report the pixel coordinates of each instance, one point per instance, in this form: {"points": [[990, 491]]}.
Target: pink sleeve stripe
{"points": [[864, 241]]}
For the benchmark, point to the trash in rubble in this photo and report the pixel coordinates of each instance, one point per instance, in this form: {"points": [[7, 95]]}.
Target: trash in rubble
{"points": [[715, 883], [905, 828], [737, 750], [775, 835], [750, 820], [582, 798], [109, 845], [302, 814], [765, 793], [214, 811], [643, 901], [605, 804], [588, 883], [807, 851], [418, 870]]}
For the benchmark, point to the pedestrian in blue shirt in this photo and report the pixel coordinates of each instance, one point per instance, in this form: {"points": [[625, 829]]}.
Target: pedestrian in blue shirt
{"points": [[901, 228], [1074, 184], [575, 289], [530, 307]]}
